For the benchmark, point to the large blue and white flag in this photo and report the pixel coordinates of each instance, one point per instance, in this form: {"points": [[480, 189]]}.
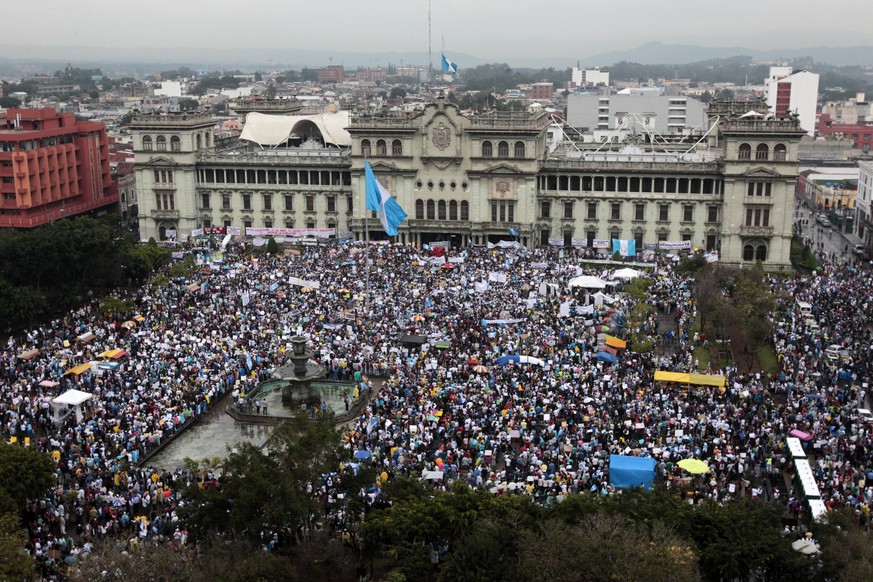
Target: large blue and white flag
{"points": [[449, 66], [380, 201], [626, 248]]}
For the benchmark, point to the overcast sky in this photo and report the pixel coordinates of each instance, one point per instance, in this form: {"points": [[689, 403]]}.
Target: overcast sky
{"points": [[491, 29]]}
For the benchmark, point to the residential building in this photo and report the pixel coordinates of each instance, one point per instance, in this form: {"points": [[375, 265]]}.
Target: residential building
{"points": [[331, 74], [864, 204], [663, 114], [542, 91], [860, 134], [795, 93], [589, 77], [52, 166]]}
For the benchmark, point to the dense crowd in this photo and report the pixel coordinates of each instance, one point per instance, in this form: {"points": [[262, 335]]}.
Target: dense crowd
{"points": [[447, 408]]}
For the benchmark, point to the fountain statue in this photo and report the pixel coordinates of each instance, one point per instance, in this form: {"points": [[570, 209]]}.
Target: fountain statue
{"points": [[299, 374]]}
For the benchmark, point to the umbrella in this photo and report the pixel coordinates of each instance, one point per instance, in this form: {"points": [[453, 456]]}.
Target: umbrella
{"points": [[417, 318], [473, 362], [606, 357], [800, 434], [480, 369], [363, 454], [130, 324], [49, 383], [307, 289], [694, 466], [344, 290], [448, 266]]}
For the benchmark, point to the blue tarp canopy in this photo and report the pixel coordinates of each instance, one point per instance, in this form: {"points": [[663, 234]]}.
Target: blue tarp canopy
{"points": [[627, 472], [503, 360], [606, 357]]}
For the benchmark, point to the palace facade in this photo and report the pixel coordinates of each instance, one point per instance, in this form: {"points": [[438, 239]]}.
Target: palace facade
{"points": [[476, 179]]}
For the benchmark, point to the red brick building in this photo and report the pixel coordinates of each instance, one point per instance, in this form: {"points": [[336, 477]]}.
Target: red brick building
{"points": [[860, 134], [331, 74], [52, 166], [542, 91]]}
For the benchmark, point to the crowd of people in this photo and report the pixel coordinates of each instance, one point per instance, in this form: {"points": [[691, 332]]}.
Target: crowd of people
{"points": [[450, 408]]}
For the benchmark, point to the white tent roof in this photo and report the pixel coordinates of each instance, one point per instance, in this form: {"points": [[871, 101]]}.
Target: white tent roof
{"points": [[72, 397], [626, 274], [588, 282], [272, 130]]}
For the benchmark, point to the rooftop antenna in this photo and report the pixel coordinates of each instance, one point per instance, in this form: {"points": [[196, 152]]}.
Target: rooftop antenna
{"points": [[429, 54]]}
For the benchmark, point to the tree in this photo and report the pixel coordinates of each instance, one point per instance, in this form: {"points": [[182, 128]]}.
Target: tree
{"points": [[24, 474], [15, 562], [272, 246], [397, 93], [270, 488], [188, 104], [9, 102]]}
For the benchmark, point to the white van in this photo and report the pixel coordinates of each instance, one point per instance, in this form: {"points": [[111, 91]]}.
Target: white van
{"points": [[805, 308]]}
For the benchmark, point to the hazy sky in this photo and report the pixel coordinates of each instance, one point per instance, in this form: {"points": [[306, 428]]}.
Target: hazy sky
{"points": [[493, 29]]}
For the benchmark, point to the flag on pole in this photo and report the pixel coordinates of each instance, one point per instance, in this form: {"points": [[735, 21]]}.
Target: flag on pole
{"points": [[449, 66], [380, 201], [626, 248]]}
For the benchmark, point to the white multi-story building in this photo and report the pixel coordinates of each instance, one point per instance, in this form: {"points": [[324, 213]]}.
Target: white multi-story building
{"points": [[863, 204], [589, 77], [662, 113], [789, 92]]}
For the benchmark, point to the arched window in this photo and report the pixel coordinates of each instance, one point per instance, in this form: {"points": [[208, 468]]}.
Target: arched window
{"points": [[441, 210], [396, 148], [519, 149], [176, 144], [161, 143], [431, 210], [780, 153], [748, 253], [486, 149], [761, 253], [453, 210], [465, 210], [419, 209], [365, 147], [147, 142], [762, 152], [503, 150], [381, 148], [745, 152], [199, 142]]}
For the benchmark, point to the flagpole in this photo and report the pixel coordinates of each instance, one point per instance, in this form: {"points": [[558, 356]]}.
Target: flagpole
{"points": [[366, 242]]}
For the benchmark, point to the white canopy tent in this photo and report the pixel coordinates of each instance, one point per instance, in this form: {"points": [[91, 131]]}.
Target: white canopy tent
{"points": [[70, 402], [626, 273], [271, 131], [587, 282]]}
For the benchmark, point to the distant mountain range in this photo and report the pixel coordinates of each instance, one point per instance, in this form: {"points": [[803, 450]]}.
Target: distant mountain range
{"points": [[149, 59], [656, 53]]}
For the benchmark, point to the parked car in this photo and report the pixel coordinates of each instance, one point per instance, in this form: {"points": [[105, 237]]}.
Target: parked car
{"points": [[860, 249]]}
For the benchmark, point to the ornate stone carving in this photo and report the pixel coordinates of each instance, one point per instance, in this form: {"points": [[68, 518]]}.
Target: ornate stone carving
{"points": [[441, 136]]}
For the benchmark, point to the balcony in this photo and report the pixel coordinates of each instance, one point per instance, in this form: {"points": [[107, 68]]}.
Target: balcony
{"points": [[762, 231]]}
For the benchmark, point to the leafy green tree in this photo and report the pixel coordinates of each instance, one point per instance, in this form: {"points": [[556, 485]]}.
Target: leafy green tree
{"points": [[272, 246], [15, 562], [270, 487], [188, 104], [24, 474]]}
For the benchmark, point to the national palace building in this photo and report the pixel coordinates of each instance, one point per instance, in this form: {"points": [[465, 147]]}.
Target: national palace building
{"points": [[474, 178]]}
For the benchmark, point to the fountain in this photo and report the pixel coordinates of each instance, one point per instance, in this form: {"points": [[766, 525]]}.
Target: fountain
{"points": [[299, 375]]}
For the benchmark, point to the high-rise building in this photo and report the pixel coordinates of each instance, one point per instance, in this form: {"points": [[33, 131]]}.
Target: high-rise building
{"points": [[793, 93], [52, 166]]}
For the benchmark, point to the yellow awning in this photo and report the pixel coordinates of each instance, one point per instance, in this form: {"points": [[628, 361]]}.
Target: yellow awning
{"points": [[696, 379], [615, 342], [115, 354], [79, 369]]}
